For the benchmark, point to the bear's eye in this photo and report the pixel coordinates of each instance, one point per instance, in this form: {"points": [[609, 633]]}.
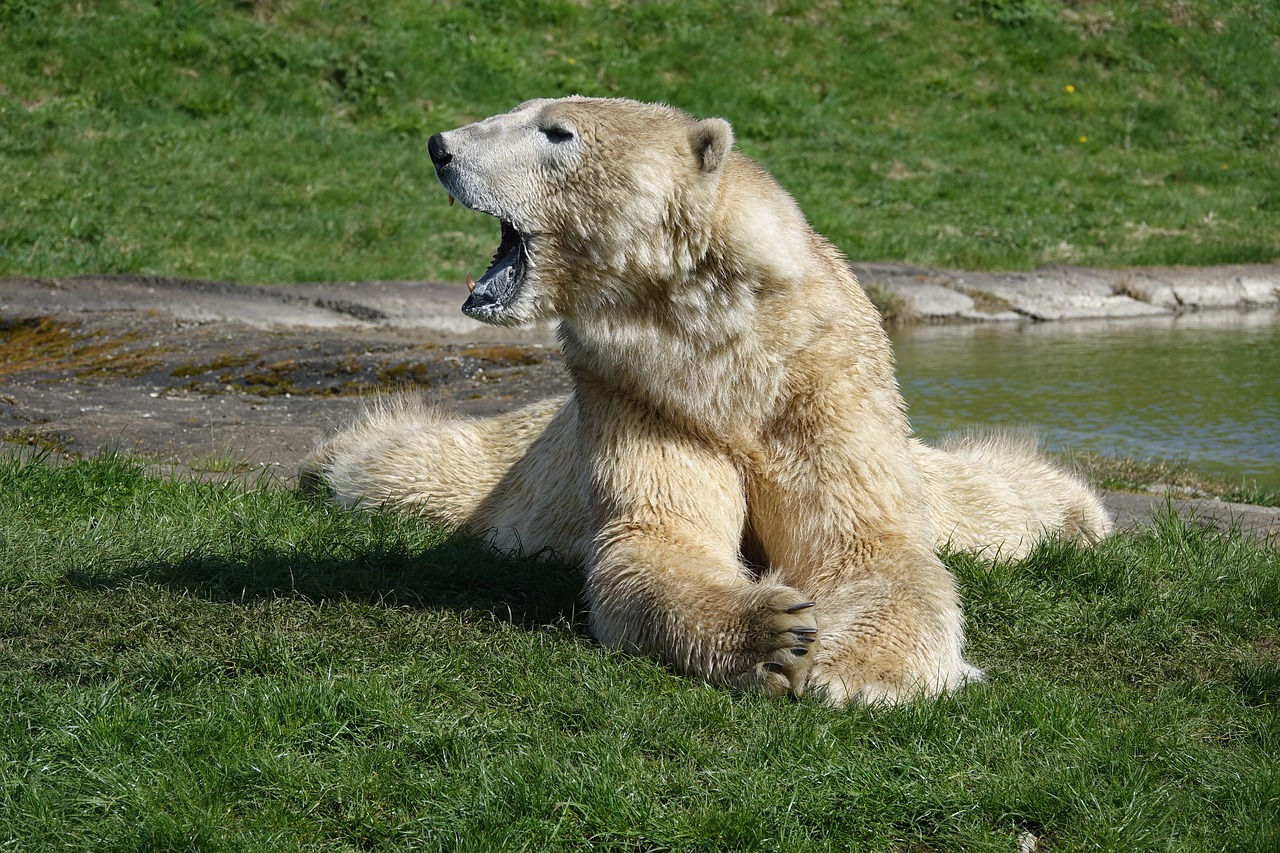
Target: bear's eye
{"points": [[557, 132]]}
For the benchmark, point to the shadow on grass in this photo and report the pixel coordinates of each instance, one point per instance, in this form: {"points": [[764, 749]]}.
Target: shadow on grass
{"points": [[459, 574]]}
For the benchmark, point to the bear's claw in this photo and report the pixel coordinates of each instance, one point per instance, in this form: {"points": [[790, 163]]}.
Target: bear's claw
{"points": [[782, 636], [806, 635]]}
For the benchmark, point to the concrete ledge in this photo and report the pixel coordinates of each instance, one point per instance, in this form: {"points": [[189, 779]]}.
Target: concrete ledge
{"points": [[1072, 293], [1132, 511]]}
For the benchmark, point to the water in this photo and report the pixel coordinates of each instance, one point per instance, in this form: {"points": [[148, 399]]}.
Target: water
{"points": [[1201, 388]]}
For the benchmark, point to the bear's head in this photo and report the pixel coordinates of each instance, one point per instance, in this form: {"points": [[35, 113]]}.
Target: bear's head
{"points": [[599, 200]]}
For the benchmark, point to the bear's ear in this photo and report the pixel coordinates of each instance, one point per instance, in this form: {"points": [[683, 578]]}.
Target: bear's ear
{"points": [[711, 140]]}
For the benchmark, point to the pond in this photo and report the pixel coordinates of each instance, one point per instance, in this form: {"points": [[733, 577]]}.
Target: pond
{"points": [[1200, 388]]}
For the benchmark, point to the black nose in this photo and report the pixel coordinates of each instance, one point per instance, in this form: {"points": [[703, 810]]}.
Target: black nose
{"points": [[439, 153]]}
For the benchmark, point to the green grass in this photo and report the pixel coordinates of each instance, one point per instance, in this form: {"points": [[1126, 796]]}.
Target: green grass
{"points": [[284, 140], [1129, 474], [232, 667]]}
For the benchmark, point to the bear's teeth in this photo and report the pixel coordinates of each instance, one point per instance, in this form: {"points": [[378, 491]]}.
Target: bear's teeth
{"points": [[471, 283]]}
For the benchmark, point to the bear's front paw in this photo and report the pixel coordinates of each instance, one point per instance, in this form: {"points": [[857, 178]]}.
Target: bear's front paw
{"points": [[782, 636]]}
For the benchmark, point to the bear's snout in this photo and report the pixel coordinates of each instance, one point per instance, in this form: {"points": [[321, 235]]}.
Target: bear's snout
{"points": [[439, 152]]}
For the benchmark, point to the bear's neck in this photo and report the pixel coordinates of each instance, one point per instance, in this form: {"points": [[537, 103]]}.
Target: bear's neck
{"points": [[710, 352], [675, 377]]}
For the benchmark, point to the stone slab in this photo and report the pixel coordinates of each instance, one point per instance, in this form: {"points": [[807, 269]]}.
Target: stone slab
{"points": [[1075, 293]]}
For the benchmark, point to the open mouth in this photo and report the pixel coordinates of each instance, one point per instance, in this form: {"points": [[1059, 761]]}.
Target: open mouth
{"points": [[498, 288]]}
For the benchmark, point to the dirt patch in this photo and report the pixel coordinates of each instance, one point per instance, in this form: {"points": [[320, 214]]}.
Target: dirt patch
{"points": [[55, 344], [985, 302]]}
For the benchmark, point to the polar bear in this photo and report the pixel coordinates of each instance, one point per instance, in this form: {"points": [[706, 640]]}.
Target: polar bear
{"points": [[734, 468]]}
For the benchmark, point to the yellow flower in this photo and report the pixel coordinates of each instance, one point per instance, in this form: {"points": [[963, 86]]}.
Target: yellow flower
{"points": [[1226, 166], [1084, 139], [1069, 88]]}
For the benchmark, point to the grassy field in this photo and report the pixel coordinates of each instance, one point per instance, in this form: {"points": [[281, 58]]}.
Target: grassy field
{"points": [[225, 667], [283, 140], [187, 666]]}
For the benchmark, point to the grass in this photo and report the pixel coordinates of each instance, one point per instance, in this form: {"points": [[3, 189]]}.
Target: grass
{"points": [[233, 667], [1129, 474], [283, 140]]}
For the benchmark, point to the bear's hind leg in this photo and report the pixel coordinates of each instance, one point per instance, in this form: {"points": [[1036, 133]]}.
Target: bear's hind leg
{"points": [[997, 494], [516, 479]]}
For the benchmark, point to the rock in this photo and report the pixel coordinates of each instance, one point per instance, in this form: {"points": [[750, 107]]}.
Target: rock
{"points": [[1137, 510], [1072, 293]]}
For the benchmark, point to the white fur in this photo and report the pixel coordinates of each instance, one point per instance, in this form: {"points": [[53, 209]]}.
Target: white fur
{"points": [[735, 446]]}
